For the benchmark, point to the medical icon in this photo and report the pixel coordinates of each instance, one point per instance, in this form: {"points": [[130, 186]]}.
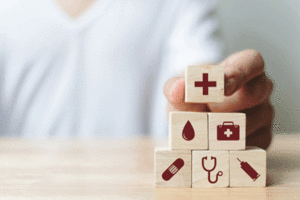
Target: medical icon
{"points": [[173, 169], [205, 83], [188, 132], [249, 170], [228, 131], [220, 173]]}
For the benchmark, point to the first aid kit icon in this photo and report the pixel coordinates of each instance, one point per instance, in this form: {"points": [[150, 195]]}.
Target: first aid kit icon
{"points": [[228, 131]]}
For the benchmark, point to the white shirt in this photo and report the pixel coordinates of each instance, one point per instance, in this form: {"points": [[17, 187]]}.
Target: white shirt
{"points": [[101, 74]]}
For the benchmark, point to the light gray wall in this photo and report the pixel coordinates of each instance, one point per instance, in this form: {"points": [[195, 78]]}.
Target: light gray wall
{"points": [[273, 28]]}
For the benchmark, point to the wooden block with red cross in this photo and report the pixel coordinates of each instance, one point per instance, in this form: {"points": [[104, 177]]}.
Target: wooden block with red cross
{"points": [[204, 83]]}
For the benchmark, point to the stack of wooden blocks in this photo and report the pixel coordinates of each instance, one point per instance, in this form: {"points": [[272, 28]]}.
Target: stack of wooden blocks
{"points": [[208, 149]]}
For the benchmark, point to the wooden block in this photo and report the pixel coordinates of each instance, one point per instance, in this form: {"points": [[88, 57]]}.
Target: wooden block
{"points": [[188, 130], [173, 168], [248, 168], [204, 83], [227, 131], [203, 162]]}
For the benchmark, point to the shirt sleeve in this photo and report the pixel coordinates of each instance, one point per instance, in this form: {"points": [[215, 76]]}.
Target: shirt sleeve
{"points": [[194, 37]]}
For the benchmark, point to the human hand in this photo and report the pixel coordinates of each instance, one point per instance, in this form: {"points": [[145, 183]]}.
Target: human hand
{"points": [[247, 90]]}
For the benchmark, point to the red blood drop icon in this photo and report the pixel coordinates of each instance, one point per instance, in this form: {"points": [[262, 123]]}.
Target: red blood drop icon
{"points": [[188, 132]]}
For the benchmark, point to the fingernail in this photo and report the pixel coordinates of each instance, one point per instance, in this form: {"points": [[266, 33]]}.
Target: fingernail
{"points": [[230, 86]]}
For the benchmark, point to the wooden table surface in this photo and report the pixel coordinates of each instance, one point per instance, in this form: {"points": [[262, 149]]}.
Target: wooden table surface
{"points": [[123, 169]]}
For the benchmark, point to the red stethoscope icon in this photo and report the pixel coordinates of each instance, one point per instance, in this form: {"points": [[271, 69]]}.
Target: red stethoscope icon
{"points": [[220, 173]]}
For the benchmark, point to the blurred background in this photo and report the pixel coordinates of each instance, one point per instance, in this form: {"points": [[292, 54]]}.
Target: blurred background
{"points": [[273, 28]]}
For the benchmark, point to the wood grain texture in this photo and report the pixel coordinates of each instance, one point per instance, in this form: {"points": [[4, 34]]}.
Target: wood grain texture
{"points": [[251, 171], [178, 121], [164, 158], [218, 119], [195, 73], [123, 168], [200, 175]]}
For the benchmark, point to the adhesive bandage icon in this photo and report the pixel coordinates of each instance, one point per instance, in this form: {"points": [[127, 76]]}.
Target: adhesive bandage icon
{"points": [[173, 169]]}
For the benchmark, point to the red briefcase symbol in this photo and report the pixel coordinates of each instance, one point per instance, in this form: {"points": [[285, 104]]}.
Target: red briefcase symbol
{"points": [[228, 131]]}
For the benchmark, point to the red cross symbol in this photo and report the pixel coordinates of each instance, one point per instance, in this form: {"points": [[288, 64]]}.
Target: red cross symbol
{"points": [[205, 84]]}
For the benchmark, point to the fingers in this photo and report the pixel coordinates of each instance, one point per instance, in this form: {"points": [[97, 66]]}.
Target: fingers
{"points": [[174, 91], [246, 84], [259, 125], [192, 107], [245, 81], [258, 117], [251, 94], [240, 68], [261, 138]]}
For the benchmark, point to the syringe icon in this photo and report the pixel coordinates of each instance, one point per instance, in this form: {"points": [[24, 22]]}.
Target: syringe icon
{"points": [[249, 170]]}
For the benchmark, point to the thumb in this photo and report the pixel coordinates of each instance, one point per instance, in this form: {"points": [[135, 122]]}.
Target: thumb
{"points": [[174, 90]]}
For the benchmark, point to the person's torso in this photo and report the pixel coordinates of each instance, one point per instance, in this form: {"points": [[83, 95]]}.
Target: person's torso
{"points": [[91, 76]]}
